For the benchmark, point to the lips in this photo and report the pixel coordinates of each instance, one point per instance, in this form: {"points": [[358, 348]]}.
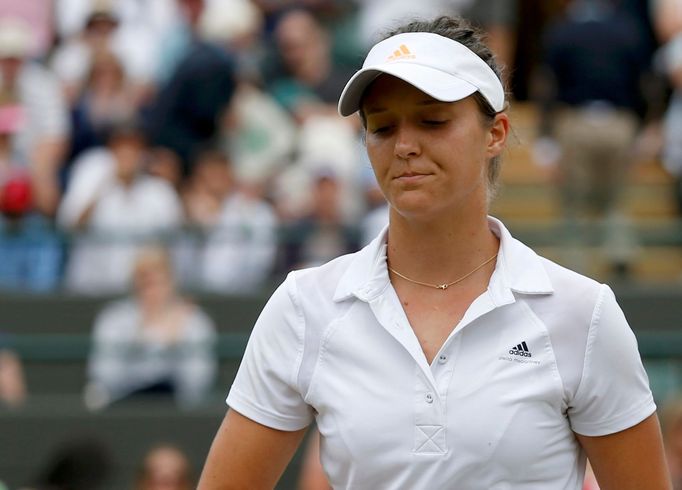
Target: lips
{"points": [[409, 177]]}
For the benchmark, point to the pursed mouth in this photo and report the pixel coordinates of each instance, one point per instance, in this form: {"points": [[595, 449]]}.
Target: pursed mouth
{"points": [[411, 175]]}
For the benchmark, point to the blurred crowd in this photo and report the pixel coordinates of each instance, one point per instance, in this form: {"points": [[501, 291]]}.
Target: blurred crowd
{"points": [[210, 126], [153, 146]]}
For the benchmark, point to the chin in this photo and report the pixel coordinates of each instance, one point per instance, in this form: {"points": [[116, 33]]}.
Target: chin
{"points": [[415, 209]]}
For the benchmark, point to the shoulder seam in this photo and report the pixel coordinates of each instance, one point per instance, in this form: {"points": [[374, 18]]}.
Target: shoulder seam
{"points": [[292, 289], [596, 317]]}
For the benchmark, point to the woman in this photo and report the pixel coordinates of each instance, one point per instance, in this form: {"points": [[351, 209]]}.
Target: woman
{"points": [[445, 354], [153, 343]]}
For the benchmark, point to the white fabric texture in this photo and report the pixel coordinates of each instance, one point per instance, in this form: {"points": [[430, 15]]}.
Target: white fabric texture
{"points": [[334, 343]]}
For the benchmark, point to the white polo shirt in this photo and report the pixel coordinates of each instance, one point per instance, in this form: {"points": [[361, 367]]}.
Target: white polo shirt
{"points": [[543, 353]]}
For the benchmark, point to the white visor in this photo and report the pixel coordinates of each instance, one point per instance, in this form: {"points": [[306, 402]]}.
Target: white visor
{"points": [[440, 67]]}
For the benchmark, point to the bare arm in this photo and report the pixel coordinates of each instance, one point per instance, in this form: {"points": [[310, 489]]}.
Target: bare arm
{"points": [[47, 157], [629, 460], [312, 476], [247, 455], [12, 384]]}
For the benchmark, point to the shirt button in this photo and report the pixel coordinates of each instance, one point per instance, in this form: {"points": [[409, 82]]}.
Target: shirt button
{"points": [[429, 398], [442, 359]]}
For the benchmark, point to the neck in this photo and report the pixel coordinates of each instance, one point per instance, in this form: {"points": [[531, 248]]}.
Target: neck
{"points": [[438, 252]]}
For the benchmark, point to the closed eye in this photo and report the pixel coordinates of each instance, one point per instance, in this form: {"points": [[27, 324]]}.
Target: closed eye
{"points": [[381, 129], [434, 122]]}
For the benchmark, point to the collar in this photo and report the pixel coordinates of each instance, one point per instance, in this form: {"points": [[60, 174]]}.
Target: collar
{"points": [[518, 270]]}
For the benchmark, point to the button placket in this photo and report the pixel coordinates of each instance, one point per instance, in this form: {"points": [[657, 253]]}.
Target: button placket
{"points": [[445, 366], [429, 430]]}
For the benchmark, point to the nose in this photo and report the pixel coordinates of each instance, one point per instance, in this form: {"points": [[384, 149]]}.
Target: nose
{"points": [[406, 143]]}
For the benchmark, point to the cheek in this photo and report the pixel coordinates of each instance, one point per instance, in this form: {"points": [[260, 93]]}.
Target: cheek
{"points": [[379, 157]]}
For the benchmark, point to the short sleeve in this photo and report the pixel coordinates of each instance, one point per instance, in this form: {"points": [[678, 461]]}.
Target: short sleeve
{"points": [[265, 388], [614, 393]]}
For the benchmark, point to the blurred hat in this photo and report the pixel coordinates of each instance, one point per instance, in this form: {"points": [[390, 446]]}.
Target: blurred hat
{"points": [[16, 196], [11, 118], [227, 20], [16, 38]]}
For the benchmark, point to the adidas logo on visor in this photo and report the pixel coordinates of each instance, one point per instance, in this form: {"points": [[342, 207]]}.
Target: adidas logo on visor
{"points": [[403, 53]]}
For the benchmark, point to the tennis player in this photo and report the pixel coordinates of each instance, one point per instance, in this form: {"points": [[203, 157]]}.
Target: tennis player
{"points": [[446, 354]]}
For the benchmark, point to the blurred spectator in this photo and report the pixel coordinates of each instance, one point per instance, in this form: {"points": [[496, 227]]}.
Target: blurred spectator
{"points": [[667, 18], [29, 246], [154, 17], [239, 229], [322, 234], [153, 343], [40, 141], [256, 132], [77, 464], [668, 23], [72, 59], [309, 86], [187, 113], [310, 83], [178, 39], [106, 99], [166, 165], [236, 26], [499, 19], [112, 207], [12, 383], [165, 467], [131, 29], [595, 58]]}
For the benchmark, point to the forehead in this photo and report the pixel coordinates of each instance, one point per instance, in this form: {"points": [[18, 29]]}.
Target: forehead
{"points": [[387, 91], [387, 86]]}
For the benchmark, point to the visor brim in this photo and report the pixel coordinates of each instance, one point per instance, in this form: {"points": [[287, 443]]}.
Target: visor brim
{"points": [[433, 82]]}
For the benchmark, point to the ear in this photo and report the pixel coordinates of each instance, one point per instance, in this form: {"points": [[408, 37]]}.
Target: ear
{"points": [[497, 136]]}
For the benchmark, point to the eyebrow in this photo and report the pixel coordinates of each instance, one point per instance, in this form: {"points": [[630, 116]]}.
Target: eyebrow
{"points": [[425, 102]]}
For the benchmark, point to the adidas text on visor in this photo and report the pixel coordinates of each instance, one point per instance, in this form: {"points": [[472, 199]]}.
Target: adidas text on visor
{"points": [[440, 67]]}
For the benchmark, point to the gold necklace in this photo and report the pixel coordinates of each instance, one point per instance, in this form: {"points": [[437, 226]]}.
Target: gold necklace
{"points": [[447, 285]]}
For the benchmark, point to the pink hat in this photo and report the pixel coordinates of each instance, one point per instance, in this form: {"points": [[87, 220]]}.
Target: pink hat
{"points": [[11, 118]]}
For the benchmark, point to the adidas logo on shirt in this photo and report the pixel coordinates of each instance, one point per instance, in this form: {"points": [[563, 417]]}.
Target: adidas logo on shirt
{"points": [[521, 350]]}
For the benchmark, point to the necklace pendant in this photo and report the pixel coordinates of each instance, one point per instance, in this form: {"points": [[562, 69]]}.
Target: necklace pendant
{"points": [[442, 286]]}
